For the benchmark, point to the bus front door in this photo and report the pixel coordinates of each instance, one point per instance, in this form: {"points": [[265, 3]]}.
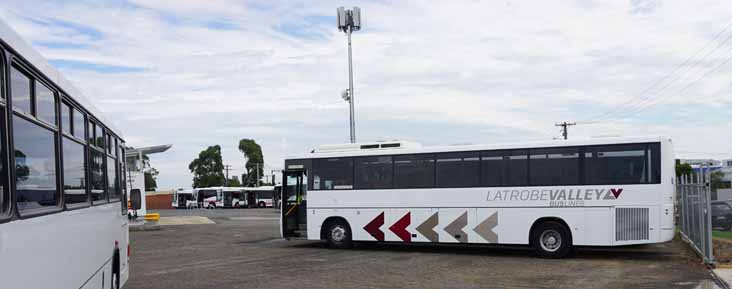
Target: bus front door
{"points": [[228, 199], [294, 221]]}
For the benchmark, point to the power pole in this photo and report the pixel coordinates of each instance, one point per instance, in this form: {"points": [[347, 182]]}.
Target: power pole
{"points": [[227, 168], [257, 180], [564, 126]]}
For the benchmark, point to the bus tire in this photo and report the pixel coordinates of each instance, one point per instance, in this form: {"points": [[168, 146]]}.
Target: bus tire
{"points": [[551, 239], [338, 234], [262, 205]]}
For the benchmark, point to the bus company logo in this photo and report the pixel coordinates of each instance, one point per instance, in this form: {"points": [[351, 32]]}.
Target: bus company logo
{"points": [[556, 197]]}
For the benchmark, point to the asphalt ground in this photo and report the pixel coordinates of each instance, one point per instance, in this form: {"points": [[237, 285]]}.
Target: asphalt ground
{"points": [[242, 250]]}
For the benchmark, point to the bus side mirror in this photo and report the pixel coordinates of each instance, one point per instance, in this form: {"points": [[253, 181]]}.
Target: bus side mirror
{"points": [[135, 199]]}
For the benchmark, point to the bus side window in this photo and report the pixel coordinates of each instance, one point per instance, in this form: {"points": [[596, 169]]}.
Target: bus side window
{"points": [[554, 166], [456, 170], [414, 171], [333, 174], [616, 164]]}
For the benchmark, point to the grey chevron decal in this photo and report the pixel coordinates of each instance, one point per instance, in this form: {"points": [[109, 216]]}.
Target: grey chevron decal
{"points": [[455, 229], [427, 228], [485, 228]]}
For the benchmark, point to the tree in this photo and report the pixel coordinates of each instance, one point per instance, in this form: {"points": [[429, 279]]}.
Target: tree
{"points": [[151, 176], [234, 182], [717, 181], [208, 168], [683, 170], [255, 161]]}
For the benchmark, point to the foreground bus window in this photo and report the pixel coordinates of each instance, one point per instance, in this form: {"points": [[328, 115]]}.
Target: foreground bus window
{"points": [[4, 190], [98, 189], [112, 186], [35, 165], [74, 173], [21, 92]]}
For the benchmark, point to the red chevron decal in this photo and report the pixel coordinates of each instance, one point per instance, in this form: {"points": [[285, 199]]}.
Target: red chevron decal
{"points": [[374, 227], [400, 228], [616, 193]]}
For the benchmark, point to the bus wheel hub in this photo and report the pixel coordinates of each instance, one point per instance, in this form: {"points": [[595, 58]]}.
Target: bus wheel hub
{"points": [[550, 240], [338, 234]]}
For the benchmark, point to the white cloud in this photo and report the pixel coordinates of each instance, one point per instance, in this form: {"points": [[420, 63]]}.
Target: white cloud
{"points": [[212, 72]]}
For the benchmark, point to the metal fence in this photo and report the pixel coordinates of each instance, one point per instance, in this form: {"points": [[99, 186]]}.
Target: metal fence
{"points": [[695, 213]]}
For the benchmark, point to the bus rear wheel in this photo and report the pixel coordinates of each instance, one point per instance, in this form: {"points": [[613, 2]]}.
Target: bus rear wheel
{"points": [[551, 240], [338, 234], [262, 205]]}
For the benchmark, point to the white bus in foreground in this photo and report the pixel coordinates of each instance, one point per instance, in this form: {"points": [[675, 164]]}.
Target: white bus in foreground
{"points": [[550, 195], [63, 221]]}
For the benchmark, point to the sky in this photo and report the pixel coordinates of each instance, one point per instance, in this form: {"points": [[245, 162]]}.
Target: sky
{"points": [[200, 73]]}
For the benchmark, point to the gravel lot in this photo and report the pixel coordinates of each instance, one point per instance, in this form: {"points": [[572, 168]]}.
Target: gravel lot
{"points": [[242, 250]]}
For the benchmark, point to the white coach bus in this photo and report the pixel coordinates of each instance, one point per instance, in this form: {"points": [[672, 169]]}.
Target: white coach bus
{"points": [[260, 197], [551, 195], [63, 223]]}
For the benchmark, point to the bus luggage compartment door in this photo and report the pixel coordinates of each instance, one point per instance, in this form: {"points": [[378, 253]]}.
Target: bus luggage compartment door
{"points": [[294, 219]]}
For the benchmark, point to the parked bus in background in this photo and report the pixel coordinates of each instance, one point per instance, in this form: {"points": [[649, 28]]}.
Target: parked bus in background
{"points": [[232, 197], [208, 197], [550, 195], [183, 199], [263, 196], [220, 197], [63, 221]]}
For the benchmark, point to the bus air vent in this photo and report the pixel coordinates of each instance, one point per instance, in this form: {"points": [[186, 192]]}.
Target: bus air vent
{"points": [[390, 145], [370, 146], [631, 224]]}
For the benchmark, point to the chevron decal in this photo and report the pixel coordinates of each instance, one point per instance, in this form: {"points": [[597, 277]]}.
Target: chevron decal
{"points": [[400, 228], [485, 228], [427, 228], [374, 227], [455, 229]]}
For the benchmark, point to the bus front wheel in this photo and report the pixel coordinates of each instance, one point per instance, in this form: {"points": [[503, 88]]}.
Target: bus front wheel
{"points": [[338, 234], [551, 240]]}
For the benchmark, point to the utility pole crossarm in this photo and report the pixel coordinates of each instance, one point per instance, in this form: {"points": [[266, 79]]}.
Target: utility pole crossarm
{"points": [[565, 125]]}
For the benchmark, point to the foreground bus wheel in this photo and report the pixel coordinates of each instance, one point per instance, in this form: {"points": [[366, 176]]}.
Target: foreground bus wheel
{"points": [[262, 205], [551, 240], [338, 234]]}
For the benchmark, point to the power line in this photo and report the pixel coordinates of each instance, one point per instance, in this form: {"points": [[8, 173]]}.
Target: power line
{"points": [[641, 99], [680, 91]]}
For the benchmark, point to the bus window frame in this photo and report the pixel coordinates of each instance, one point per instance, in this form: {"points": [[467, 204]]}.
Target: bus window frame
{"points": [[71, 207], [7, 207], [34, 76], [67, 100]]}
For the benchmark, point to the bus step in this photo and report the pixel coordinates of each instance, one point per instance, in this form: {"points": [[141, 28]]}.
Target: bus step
{"points": [[303, 227], [301, 233]]}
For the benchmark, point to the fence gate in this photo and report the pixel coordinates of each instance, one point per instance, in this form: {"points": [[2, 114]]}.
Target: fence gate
{"points": [[695, 213]]}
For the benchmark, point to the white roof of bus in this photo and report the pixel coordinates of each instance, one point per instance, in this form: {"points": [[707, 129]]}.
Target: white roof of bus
{"points": [[481, 147], [260, 188], [10, 37]]}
